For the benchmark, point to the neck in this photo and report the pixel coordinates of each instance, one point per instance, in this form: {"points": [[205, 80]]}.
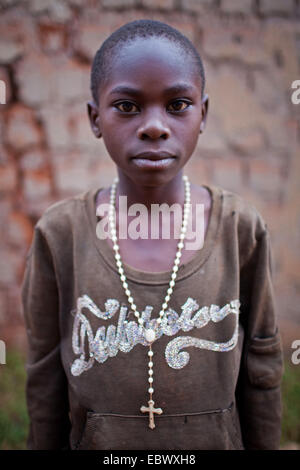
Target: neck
{"points": [[170, 192]]}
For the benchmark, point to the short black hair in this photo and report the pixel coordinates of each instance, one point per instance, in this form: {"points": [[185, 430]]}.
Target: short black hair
{"points": [[127, 33]]}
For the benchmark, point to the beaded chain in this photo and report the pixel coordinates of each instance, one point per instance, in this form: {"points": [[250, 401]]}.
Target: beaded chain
{"points": [[149, 333]]}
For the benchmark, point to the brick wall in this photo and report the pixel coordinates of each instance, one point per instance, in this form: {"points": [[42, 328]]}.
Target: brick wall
{"points": [[251, 145]]}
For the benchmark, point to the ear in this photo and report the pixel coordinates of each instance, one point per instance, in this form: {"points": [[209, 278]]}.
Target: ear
{"points": [[94, 118], [205, 101]]}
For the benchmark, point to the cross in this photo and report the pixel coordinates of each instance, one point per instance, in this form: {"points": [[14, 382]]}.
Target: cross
{"points": [[151, 410]]}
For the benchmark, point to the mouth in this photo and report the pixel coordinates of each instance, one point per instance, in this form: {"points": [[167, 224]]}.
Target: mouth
{"points": [[154, 156], [155, 160]]}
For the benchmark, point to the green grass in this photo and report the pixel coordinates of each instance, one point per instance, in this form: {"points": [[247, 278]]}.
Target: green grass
{"points": [[291, 403], [14, 420]]}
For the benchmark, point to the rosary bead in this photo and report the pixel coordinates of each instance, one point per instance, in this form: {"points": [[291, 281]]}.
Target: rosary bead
{"points": [[149, 333]]}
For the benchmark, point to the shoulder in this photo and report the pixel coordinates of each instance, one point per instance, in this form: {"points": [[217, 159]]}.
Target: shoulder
{"points": [[247, 217], [59, 217], [241, 223]]}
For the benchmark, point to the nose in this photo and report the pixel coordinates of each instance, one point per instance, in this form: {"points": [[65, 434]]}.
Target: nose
{"points": [[153, 126]]}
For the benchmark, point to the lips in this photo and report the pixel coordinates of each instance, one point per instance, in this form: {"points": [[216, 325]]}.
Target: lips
{"points": [[154, 156]]}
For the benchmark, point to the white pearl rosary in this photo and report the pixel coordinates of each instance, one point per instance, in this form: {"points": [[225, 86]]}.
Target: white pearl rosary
{"points": [[149, 333]]}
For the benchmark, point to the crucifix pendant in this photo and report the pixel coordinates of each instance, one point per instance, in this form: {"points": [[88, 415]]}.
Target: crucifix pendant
{"points": [[150, 337], [151, 410]]}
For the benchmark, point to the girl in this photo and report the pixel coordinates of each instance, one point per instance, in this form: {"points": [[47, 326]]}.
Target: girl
{"points": [[145, 342]]}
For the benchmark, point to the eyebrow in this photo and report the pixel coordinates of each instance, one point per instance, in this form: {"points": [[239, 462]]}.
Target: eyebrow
{"points": [[177, 88]]}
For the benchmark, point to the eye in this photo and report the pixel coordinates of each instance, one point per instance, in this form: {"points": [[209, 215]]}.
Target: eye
{"points": [[127, 106], [177, 105]]}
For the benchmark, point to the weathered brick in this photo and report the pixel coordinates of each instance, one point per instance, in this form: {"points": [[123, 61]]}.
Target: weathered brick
{"points": [[72, 84], [227, 174], [266, 86], [9, 51], [282, 50], [34, 77], [248, 141], [8, 178], [33, 160], [117, 3], [237, 41], [231, 101], [57, 10], [269, 7], [17, 35], [19, 230], [74, 172], [212, 139], [90, 37], [54, 119], [197, 6], [251, 130], [10, 266], [23, 130], [53, 37], [40, 82], [3, 308], [36, 185], [160, 4], [237, 6], [265, 178]]}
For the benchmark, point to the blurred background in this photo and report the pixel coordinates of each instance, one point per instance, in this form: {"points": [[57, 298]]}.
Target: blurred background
{"points": [[251, 54]]}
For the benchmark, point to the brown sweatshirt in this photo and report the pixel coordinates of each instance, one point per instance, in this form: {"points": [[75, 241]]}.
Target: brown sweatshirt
{"points": [[217, 362]]}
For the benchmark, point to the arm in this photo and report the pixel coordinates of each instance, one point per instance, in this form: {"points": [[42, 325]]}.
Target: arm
{"points": [[46, 385], [258, 391]]}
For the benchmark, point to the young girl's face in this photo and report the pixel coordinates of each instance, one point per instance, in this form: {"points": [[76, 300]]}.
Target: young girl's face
{"points": [[160, 111]]}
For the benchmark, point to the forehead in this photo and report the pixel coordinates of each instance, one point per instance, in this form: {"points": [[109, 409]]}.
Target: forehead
{"points": [[152, 63]]}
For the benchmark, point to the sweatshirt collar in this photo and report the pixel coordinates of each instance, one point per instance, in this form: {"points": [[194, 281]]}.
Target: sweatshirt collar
{"points": [[163, 277]]}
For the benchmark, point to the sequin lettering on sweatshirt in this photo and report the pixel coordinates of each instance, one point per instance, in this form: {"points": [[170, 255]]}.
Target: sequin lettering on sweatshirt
{"points": [[107, 342]]}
